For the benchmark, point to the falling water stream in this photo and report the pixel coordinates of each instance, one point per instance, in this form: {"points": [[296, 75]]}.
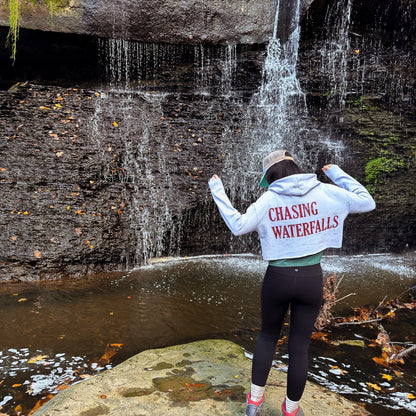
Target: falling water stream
{"points": [[277, 117]]}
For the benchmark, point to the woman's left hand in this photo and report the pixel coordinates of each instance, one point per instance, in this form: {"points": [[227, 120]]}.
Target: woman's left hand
{"points": [[326, 167]]}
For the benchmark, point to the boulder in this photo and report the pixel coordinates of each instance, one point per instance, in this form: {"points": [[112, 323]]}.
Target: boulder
{"points": [[201, 378]]}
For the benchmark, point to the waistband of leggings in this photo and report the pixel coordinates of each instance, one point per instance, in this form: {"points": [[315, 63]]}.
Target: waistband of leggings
{"points": [[312, 270]]}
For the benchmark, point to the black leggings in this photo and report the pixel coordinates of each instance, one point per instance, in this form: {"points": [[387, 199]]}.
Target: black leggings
{"points": [[301, 288]]}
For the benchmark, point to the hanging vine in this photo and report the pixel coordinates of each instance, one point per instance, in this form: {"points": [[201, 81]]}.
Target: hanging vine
{"points": [[14, 20], [14, 17]]}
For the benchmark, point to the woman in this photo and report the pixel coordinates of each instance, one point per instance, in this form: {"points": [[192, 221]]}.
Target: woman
{"points": [[296, 219]]}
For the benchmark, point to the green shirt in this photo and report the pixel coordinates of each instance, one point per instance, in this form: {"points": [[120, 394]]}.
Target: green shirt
{"points": [[298, 261]]}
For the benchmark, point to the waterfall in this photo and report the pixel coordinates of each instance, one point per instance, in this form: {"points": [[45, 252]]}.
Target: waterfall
{"points": [[130, 113], [278, 118], [131, 119], [337, 49], [129, 64]]}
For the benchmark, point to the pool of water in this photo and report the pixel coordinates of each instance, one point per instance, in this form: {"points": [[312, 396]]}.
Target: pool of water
{"points": [[50, 332]]}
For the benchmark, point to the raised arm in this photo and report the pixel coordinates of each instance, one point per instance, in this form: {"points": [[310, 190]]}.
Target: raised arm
{"points": [[238, 223], [359, 198]]}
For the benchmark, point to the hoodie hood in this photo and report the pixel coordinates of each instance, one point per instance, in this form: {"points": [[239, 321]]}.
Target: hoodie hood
{"points": [[295, 185]]}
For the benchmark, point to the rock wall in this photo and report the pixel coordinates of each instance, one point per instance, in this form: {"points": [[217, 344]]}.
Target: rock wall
{"points": [[102, 179], [183, 21], [100, 172]]}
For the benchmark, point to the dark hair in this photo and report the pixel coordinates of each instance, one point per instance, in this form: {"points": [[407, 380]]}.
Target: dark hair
{"points": [[282, 169]]}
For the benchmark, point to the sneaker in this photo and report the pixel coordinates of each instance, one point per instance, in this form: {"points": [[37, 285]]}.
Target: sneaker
{"points": [[297, 412], [254, 408]]}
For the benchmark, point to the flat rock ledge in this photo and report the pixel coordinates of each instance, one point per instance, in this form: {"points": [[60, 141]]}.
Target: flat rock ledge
{"points": [[203, 378]]}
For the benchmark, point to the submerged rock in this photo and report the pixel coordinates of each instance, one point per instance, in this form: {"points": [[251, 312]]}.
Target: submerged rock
{"points": [[201, 378]]}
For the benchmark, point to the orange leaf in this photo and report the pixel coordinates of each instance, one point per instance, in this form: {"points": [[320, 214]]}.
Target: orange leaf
{"points": [[36, 359], [374, 386], [37, 254], [381, 361]]}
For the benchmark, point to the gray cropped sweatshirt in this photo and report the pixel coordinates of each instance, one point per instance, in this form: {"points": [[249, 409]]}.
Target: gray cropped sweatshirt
{"points": [[298, 215]]}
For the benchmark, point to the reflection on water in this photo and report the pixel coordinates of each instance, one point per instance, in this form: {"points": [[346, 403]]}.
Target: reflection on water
{"points": [[49, 330]]}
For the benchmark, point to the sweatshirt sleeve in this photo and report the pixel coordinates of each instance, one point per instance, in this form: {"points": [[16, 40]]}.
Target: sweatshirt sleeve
{"points": [[359, 198], [238, 223]]}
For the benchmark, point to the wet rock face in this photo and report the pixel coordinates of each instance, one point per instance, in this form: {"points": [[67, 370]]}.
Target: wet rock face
{"points": [[105, 176], [95, 180]]}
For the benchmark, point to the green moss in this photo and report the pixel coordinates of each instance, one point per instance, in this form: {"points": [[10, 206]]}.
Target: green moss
{"points": [[378, 168], [360, 103]]}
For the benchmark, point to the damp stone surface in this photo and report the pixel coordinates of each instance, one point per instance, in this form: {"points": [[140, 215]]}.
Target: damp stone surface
{"points": [[201, 378]]}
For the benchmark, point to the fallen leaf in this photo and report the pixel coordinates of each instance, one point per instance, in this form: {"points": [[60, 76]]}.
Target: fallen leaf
{"points": [[36, 359], [37, 254], [411, 396], [374, 386], [381, 361], [387, 377], [340, 370], [115, 124], [16, 385]]}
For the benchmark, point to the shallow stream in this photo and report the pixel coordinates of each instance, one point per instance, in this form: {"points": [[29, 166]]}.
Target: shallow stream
{"points": [[50, 330]]}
